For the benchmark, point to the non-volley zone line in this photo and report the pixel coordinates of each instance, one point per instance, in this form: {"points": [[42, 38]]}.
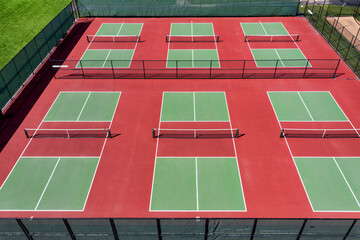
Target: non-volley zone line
{"points": [[197, 184], [331, 183]]}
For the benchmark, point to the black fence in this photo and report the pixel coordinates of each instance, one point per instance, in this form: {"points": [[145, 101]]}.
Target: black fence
{"points": [[185, 8], [157, 69], [15, 75], [325, 18], [171, 229]]}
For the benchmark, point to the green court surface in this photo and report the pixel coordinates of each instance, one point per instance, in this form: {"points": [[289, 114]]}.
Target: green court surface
{"points": [[192, 58], [331, 183], [48, 183], [264, 29], [106, 58], [194, 106], [119, 29], [191, 29], [197, 184], [83, 107], [282, 57], [306, 106]]}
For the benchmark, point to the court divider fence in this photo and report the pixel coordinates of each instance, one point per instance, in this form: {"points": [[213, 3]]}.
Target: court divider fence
{"points": [[196, 228], [235, 69], [185, 8], [325, 18], [15, 75]]}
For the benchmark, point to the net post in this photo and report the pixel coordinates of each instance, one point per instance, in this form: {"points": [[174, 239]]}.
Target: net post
{"points": [[138, 39], [307, 63], [237, 133], [277, 62], [109, 133], [143, 65], [153, 133], [67, 133], [26, 133], [246, 38], [337, 66], [166, 38], [82, 69], [243, 73], [210, 68], [282, 133], [217, 38]]}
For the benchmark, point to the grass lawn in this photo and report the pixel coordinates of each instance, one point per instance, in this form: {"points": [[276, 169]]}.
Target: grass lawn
{"points": [[21, 21]]}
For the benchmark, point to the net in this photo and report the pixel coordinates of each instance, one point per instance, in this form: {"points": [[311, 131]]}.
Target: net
{"points": [[191, 38], [128, 38], [68, 133], [195, 133], [320, 133], [272, 38]]}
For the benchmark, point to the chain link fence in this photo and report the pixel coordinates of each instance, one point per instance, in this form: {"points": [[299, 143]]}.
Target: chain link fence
{"points": [[15, 75], [327, 20]]}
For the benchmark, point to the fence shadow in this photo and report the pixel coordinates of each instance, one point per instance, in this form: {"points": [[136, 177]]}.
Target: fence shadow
{"points": [[21, 106]]}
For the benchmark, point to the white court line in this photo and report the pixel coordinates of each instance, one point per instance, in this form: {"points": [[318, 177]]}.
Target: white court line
{"points": [[347, 183], [197, 184], [279, 57], [101, 153], [42, 194], [263, 28], [235, 152], [194, 106], [122, 24], [156, 152], [217, 52], [305, 106], [77, 119], [291, 154], [107, 56]]}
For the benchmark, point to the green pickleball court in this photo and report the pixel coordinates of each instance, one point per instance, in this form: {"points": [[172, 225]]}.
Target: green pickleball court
{"points": [[119, 29], [83, 106], [197, 184], [282, 57], [259, 28], [48, 183], [106, 58], [306, 106], [192, 58], [331, 183], [191, 29], [194, 106]]}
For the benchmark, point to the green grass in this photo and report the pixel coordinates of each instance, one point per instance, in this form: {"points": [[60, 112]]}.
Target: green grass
{"points": [[21, 21], [333, 10]]}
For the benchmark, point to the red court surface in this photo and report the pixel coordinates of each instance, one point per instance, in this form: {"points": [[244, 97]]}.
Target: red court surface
{"points": [[123, 181]]}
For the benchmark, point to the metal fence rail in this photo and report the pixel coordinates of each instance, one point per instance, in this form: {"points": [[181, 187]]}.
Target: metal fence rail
{"points": [[236, 69], [158, 229]]}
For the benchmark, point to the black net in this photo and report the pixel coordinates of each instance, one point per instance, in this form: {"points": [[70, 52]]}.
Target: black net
{"points": [[195, 133], [153, 8], [179, 38], [272, 38], [15, 74], [320, 133], [67, 133]]}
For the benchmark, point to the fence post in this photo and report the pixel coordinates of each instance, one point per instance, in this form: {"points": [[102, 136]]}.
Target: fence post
{"points": [[277, 61], [25, 230], [112, 68], [158, 226], [339, 40], [347, 52], [306, 7], [243, 73], [113, 228], [82, 70], [337, 66], [301, 230], [307, 63], [68, 228]]}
